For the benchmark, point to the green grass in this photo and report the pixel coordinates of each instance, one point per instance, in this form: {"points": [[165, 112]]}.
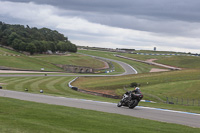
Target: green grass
{"points": [[182, 61], [180, 89], [144, 57], [35, 73], [72, 59], [157, 52], [8, 52], [175, 83], [24, 62], [140, 67], [45, 61], [50, 85], [191, 62], [18, 116]]}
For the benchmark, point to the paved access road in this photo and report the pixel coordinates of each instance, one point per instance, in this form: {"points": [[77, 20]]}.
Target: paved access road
{"points": [[184, 118]]}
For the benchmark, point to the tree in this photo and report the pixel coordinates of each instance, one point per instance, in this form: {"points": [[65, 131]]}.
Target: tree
{"points": [[74, 48], [24, 38], [12, 37], [3, 27], [62, 46], [52, 46], [16, 44], [31, 48], [4, 40], [22, 46], [134, 84]]}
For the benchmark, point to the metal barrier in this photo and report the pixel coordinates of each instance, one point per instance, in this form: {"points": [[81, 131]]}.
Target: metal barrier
{"points": [[182, 101]]}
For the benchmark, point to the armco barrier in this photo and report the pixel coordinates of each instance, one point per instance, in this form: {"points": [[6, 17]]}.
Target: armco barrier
{"points": [[148, 101], [91, 92], [69, 84]]}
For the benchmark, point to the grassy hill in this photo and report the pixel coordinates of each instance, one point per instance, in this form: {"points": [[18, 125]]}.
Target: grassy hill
{"points": [[182, 84], [72, 59], [188, 62], [172, 60], [15, 60], [158, 52], [182, 61], [140, 67]]}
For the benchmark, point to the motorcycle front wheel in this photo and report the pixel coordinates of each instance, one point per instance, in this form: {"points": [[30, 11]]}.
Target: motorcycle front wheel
{"points": [[119, 104]]}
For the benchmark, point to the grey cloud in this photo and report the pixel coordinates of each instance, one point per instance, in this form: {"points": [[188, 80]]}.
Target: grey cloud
{"points": [[160, 17], [168, 17], [186, 10]]}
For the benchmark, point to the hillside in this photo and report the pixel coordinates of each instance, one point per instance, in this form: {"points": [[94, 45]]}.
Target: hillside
{"points": [[187, 61], [15, 60], [155, 86], [183, 61]]}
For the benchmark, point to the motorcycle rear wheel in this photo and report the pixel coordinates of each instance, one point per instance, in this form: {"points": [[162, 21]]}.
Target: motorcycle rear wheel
{"points": [[133, 103]]}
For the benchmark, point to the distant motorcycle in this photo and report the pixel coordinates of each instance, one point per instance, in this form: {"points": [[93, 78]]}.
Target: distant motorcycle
{"points": [[130, 100]]}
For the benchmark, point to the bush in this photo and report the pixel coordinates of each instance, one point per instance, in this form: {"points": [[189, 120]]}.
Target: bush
{"points": [[134, 84]]}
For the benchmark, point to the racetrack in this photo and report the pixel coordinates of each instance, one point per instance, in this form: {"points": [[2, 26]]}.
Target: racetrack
{"points": [[128, 69], [184, 118]]}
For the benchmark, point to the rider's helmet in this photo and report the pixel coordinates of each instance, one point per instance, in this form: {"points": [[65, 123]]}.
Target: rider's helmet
{"points": [[137, 88]]}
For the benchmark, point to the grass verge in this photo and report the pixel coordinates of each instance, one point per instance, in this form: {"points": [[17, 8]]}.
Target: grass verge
{"points": [[18, 116]]}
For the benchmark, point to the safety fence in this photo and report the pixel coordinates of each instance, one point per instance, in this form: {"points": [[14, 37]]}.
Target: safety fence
{"points": [[183, 101]]}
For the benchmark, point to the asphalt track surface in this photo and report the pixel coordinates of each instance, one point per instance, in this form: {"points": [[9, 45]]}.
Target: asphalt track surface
{"points": [[169, 116]]}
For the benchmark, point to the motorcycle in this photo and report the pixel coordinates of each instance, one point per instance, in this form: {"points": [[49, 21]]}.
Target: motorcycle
{"points": [[130, 100]]}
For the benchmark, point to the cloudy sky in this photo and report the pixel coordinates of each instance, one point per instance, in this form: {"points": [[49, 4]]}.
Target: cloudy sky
{"points": [[169, 25]]}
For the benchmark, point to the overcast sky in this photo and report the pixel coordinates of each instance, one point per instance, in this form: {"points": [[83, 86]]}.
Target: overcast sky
{"points": [[169, 25]]}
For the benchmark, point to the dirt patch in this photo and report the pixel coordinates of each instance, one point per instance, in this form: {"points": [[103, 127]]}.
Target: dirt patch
{"points": [[106, 66], [151, 60], [158, 70], [67, 55], [2, 83]]}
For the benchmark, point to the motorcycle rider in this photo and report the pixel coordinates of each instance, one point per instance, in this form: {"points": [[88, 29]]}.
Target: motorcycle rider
{"points": [[131, 98], [137, 90], [130, 93]]}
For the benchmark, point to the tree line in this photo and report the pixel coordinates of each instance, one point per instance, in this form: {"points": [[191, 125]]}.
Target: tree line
{"points": [[34, 40]]}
